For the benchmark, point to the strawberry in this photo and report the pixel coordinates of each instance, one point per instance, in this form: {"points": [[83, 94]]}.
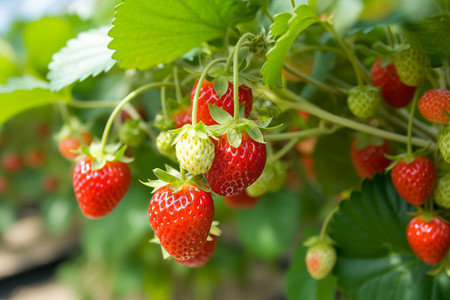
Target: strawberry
{"points": [[429, 238], [209, 96], [11, 162], [363, 101], [442, 191], [241, 200], [444, 143], [164, 144], [394, 91], [195, 154], [182, 117], [415, 180], [181, 220], [70, 144], [433, 104], [320, 259], [99, 191], [234, 169], [201, 257], [131, 133], [272, 178], [411, 65], [370, 159]]}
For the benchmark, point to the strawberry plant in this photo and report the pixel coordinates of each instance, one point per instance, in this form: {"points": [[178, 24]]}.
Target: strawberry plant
{"points": [[257, 123]]}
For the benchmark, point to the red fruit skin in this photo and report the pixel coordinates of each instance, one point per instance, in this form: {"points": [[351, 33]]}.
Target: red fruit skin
{"points": [[98, 192], [414, 181], [201, 258], [241, 201], [181, 220], [433, 104], [370, 160], [11, 162], [209, 96], [234, 169], [69, 144], [182, 117], [430, 241], [396, 93]]}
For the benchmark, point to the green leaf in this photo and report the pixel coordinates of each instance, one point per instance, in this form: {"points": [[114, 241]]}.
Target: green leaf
{"points": [[331, 156], [300, 285], [84, 56], [221, 85], [15, 97], [165, 176], [256, 135], [269, 228], [280, 24], [374, 259], [234, 137], [149, 32], [271, 70], [219, 115], [43, 38]]}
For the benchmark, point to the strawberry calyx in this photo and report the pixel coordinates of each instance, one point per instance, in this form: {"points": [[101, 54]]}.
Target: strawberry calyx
{"points": [[175, 179], [318, 240], [198, 130], [426, 215], [72, 128], [112, 152], [406, 157]]}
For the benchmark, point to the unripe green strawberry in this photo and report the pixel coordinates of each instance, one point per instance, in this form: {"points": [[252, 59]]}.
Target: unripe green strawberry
{"points": [[363, 101], [444, 143], [411, 66], [164, 144], [195, 154], [442, 191], [130, 133], [320, 259], [271, 179]]}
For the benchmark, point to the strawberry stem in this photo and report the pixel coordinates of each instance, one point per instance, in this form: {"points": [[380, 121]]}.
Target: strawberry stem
{"points": [[199, 85], [293, 4], [323, 230], [164, 102], [183, 174], [410, 122], [122, 103], [177, 84], [236, 74]]}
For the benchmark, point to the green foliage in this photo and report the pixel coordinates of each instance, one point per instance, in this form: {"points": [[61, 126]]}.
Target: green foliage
{"points": [[374, 258], [142, 38], [269, 228], [86, 55], [289, 29]]}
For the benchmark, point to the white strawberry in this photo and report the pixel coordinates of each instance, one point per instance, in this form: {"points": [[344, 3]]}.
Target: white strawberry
{"points": [[194, 153]]}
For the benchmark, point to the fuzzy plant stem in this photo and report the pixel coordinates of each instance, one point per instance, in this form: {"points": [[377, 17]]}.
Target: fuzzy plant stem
{"points": [[410, 122], [122, 103], [177, 84], [199, 86], [323, 230]]}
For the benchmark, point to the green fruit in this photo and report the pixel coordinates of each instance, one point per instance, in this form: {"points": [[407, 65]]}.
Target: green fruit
{"points": [[130, 133], [444, 143], [411, 65], [442, 191], [320, 259], [164, 144], [195, 154], [271, 179], [363, 101]]}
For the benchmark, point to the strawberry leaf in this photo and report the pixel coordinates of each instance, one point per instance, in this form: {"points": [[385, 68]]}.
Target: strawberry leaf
{"points": [[370, 235], [84, 56], [220, 85], [303, 18]]}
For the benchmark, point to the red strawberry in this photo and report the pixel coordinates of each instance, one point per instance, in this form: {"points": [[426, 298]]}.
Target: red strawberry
{"points": [[71, 143], [393, 90], [99, 191], [202, 257], [370, 159], [181, 220], [11, 162], [182, 117], [234, 169], [429, 239], [241, 201], [414, 181], [433, 104], [209, 96]]}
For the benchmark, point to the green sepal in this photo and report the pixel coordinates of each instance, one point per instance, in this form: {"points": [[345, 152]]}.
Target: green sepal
{"points": [[256, 135], [315, 240], [165, 176], [112, 152], [220, 85], [199, 130], [220, 115], [234, 137]]}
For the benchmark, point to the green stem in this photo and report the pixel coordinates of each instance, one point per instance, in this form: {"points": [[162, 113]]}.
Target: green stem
{"points": [[177, 84], [323, 230], [403, 115], [390, 37], [183, 174], [410, 122], [293, 3], [267, 13], [236, 74], [163, 100], [297, 134], [321, 47], [199, 85], [64, 113], [135, 116], [304, 105], [308, 79], [230, 57], [93, 104], [127, 99]]}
